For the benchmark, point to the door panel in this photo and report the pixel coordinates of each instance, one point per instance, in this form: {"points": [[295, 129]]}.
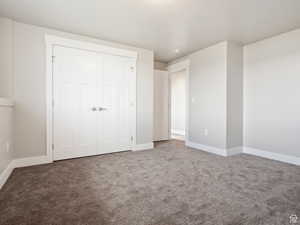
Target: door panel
{"points": [[114, 98], [74, 79]]}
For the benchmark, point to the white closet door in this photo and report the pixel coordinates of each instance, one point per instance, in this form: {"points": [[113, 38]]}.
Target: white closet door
{"points": [[161, 105], [75, 84], [92, 103], [114, 132]]}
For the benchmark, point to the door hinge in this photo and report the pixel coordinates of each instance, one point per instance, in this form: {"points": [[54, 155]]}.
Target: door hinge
{"points": [[52, 146], [52, 103], [131, 138], [53, 58]]}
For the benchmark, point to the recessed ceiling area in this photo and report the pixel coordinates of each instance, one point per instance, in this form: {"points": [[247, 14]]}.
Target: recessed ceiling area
{"points": [[162, 25]]}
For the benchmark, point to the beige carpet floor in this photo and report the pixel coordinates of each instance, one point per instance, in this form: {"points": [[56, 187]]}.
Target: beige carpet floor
{"points": [[170, 185]]}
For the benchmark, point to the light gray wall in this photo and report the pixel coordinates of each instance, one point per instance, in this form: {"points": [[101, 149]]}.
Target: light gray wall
{"points": [[272, 94], [234, 95], [6, 150], [207, 88], [216, 95], [6, 57], [29, 88]]}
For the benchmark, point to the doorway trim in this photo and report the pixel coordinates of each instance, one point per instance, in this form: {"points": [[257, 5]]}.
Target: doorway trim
{"points": [[173, 68], [52, 41]]}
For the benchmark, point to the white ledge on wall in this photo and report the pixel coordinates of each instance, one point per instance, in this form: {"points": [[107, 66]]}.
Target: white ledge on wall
{"points": [[6, 102]]}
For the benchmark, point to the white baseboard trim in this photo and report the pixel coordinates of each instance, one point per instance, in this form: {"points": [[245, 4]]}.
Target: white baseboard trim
{"points": [[274, 156], [214, 150], [206, 148], [30, 161], [6, 173], [247, 150], [22, 162], [140, 147], [234, 151]]}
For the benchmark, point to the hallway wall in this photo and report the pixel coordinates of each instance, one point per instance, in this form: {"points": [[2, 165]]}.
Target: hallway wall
{"points": [[178, 105]]}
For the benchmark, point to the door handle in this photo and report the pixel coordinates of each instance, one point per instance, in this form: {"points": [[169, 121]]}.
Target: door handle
{"points": [[94, 109], [101, 109]]}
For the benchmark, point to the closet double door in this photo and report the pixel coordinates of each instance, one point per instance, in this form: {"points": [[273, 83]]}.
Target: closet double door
{"points": [[91, 103]]}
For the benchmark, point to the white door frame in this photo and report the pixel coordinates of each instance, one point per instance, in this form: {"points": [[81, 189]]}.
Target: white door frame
{"points": [[173, 68], [52, 41]]}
